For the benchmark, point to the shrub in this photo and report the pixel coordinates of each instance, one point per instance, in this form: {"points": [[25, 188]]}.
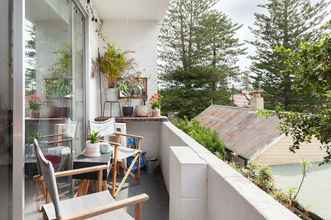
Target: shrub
{"points": [[204, 136]]}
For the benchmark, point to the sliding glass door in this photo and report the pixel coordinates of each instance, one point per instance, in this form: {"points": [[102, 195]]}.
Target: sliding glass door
{"points": [[6, 110], [54, 88]]}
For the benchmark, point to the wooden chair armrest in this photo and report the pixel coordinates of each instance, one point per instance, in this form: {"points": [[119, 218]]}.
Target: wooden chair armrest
{"points": [[57, 141], [51, 135], [134, 200], [114, 143], [81, 171], [129, 135]]}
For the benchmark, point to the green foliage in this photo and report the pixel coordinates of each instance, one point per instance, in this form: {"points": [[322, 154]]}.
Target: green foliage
{"points": [[94, 137], [205, 136], [285, 24], [311, 65], [199, 53], [113, 63], [60, 85], [189, 92], [63, 62]]}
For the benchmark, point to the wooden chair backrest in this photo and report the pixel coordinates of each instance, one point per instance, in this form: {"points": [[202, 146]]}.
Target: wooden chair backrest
{"points": [[47, 171]]}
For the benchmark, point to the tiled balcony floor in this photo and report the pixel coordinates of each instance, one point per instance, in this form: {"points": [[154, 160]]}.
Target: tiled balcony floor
{"points": [[157, 207]]}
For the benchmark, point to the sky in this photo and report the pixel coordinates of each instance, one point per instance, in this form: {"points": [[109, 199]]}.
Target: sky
{"points": [[242, 12]]}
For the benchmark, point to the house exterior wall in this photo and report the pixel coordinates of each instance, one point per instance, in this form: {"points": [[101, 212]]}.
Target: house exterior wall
{"points": [[140, 37], [278, 153], [94, 108]]}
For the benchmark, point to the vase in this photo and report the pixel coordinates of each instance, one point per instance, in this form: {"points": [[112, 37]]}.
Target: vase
{"points": [[127, 111], [112, 94], [156, 112], [92, 150], [141, 111], [35, 114]]}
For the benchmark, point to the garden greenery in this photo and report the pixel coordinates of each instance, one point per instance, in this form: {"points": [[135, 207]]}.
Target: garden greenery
{"points": [[259, 174], [205, 136]]}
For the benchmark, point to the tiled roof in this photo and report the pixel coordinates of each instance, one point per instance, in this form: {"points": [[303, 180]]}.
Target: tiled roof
{"points": [[242, 131]]}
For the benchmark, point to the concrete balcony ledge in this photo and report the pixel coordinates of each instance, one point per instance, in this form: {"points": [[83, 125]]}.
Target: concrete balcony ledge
{"points": [[229, 194]]}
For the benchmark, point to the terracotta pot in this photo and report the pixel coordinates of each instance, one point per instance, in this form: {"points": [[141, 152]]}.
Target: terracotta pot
{"points": [[35, 114], [112, 83], [156, 112]]}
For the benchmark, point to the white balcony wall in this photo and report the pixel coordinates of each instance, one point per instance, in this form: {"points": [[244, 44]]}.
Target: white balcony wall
{"points": [[188, 190], [229, 195], [140, 37]]}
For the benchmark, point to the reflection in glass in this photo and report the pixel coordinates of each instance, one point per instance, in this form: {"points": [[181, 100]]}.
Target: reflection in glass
{"points": [[6, 133], [55, 103]]}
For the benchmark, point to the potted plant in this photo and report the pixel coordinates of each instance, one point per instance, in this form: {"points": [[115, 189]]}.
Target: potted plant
{"points": [[129, 87], [155, 101], [125, 88], [92, 145], [34, 105], [112, 64], [58, 85]]}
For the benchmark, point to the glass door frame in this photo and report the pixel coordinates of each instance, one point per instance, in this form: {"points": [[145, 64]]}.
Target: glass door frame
{"points": [[18, 74]]}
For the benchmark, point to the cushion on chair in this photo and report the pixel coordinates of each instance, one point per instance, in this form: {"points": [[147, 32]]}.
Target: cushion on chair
{"points": [[86, 203]]}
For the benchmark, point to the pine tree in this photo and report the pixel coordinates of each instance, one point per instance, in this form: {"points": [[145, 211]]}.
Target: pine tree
{"points": [[198, 53], [284, 23]]}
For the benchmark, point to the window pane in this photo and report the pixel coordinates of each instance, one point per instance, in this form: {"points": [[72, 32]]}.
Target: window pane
{"points": [[5, 113], [55, 103]]}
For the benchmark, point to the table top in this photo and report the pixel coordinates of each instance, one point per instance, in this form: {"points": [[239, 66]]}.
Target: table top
{"points": [[103, 159]]}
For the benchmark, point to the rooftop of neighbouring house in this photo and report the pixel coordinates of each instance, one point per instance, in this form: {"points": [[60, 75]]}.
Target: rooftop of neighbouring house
{"points": [[242, 129]]}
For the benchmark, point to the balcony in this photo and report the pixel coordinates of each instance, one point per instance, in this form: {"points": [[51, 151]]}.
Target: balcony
{"points": [[191, 183]]}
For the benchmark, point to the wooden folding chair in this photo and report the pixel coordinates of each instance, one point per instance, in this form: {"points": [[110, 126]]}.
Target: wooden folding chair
{"points": [[99, 205], [107, 129]]}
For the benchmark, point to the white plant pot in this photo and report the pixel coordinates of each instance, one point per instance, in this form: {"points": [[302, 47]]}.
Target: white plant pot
{"points": [[141, 111], [112, 94], [92, 150], [156, 112]]}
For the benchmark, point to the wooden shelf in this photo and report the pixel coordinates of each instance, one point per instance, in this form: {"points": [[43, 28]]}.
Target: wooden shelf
{"points": [[128, 119], [44, 119]]}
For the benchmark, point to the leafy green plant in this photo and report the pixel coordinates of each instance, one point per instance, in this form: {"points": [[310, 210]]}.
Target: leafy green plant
{"points": [[34, 102], [63, 62], [155, 101], [94, 137], [60, 84], [113, 63], [59, 87], [205, 136], [305, 166]]}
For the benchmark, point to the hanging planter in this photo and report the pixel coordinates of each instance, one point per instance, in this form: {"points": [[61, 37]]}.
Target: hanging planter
{"points": [[112, 64]]}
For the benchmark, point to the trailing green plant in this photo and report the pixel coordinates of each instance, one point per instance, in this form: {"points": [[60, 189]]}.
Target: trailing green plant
{"points": [[60, 83], [205, 136], [94, 137], [62, 66], [113, 63]]}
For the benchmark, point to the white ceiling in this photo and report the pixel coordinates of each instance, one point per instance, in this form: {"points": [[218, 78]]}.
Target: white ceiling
{"points": [[131, 9]]}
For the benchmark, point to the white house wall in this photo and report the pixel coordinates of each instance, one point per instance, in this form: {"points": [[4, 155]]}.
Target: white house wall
{"points": [[93, 78], [139, 37], [279, 153]]}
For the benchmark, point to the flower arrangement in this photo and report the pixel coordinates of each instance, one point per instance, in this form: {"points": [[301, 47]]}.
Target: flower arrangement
{"points": [[34, 102], [155, 101]]}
